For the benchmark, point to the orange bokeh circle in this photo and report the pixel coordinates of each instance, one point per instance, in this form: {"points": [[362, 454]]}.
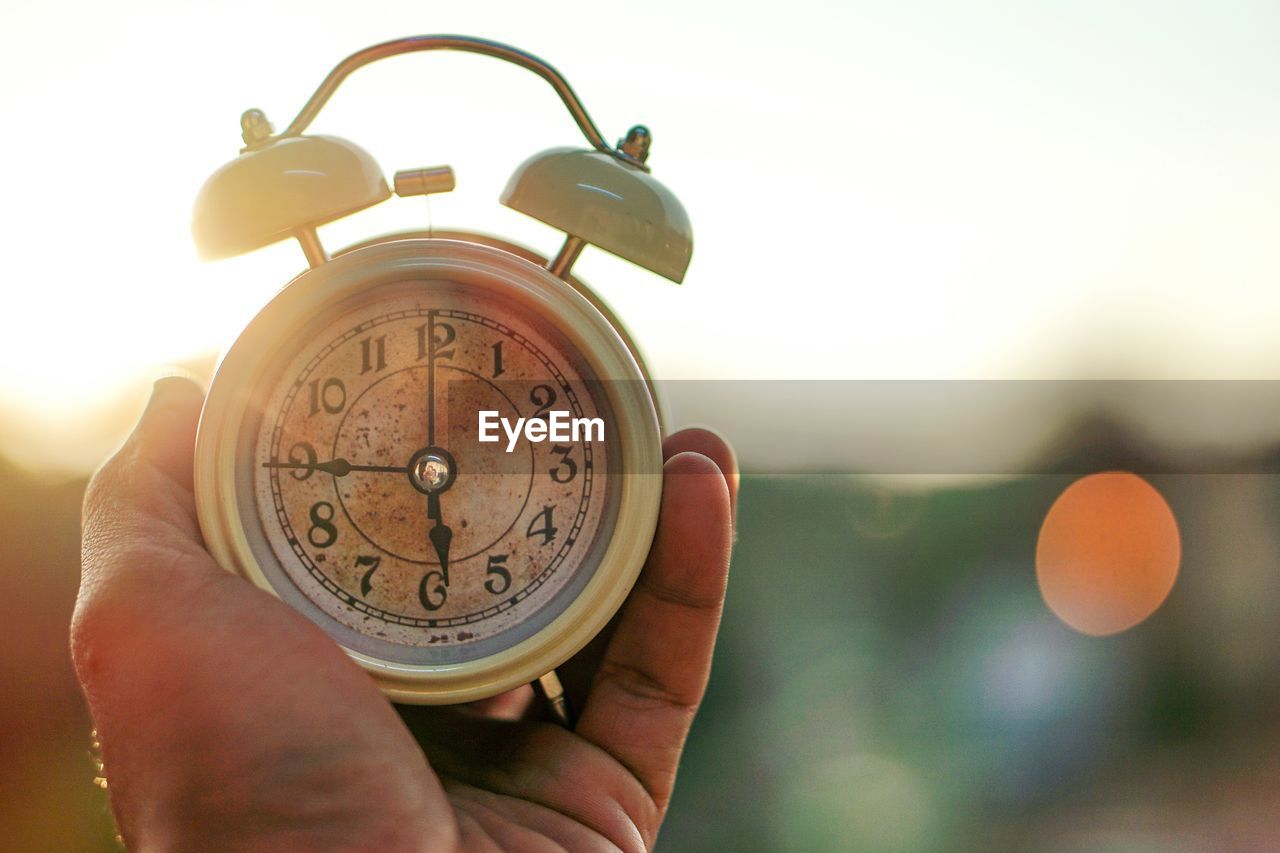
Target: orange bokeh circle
{"points": [[1108, 553]]}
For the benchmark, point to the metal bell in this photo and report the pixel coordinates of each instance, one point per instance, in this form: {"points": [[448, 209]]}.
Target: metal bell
{"points": [[607, 201], [280, 188]]}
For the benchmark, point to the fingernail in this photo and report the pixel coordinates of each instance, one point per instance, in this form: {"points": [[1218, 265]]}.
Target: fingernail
{"points": [[170, 383], [173, 371]]}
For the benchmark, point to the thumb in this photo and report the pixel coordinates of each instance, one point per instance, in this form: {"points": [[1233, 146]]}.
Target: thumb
{"points": [[165, 435], [142, 496], [149, 478]]}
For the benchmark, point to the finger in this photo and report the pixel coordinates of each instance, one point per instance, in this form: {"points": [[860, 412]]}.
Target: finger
{"points": [[577, 673], [151, 473], [512, 705], [220, 709], [141, 499], [644, 696], [166, 432], [711, 445]]}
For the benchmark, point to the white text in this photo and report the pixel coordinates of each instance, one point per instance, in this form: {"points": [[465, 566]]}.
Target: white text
{"points": [[557, 426]]}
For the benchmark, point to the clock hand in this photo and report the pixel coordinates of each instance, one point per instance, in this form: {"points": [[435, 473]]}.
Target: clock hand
{"points": [[431, 378], [337, 467], [441, 535]]}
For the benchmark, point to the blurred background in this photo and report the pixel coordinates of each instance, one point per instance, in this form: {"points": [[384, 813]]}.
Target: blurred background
{"points": [[1074, 196]]}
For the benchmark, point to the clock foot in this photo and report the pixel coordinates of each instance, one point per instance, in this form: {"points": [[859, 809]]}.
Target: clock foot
{"points": [[552, 691]]}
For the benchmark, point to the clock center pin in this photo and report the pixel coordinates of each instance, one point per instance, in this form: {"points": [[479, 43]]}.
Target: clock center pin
{"points": [[432, 470]]}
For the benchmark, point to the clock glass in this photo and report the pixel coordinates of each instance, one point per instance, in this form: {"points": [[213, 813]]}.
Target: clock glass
{"points": [[387, 519]]}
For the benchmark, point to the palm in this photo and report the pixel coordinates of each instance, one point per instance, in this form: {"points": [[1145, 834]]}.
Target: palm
{"points": [[229, 719], [520, 781]]}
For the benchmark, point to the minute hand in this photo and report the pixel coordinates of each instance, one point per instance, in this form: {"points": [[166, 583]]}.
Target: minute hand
{"points": [[431, 378], [337, 467]]}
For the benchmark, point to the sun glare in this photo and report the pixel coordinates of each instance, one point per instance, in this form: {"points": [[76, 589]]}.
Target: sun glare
{"points": [[907, 213]]}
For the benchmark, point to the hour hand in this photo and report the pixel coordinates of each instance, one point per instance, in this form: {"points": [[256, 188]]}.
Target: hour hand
{"points": [[337, 467], [441, 535]]}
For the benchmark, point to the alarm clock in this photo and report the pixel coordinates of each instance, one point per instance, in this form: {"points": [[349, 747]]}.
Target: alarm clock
{"points": [[341, 462]]}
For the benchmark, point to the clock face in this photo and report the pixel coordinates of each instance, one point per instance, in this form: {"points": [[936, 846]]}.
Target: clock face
{"points": [[371, 502], [340, 464]]}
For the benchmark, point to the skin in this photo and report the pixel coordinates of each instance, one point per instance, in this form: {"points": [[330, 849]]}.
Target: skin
{"points": [[229, 721]]}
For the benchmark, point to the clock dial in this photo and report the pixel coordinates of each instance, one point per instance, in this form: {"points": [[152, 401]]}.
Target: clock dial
{"points": [[339, 463], [388, 520]]}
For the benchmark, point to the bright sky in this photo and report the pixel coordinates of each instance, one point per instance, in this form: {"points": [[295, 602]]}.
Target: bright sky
{"points": [[878, 189]]}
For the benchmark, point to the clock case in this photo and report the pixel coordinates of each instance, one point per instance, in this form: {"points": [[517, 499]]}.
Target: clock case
{"points": [[285, 185]]}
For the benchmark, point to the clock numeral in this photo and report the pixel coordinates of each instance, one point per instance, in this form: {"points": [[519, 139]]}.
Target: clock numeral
{"points": [[433, 593], [373, 354], [497, 360], [331, 396], [567, 469], [544, 397], [302, 454], [442, 336], [547, 531], [322, 533], [366, 582], [499, 580]]}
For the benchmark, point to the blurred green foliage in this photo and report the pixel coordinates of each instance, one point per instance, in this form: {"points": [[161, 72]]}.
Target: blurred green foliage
{"points": [[887, 678]]}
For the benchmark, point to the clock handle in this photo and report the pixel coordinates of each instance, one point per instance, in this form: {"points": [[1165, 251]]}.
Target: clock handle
{"points": [[552, 692], [468, 44]]}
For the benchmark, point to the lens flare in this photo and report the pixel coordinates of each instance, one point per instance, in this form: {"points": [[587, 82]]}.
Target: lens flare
{"points": [[1108, 553]]}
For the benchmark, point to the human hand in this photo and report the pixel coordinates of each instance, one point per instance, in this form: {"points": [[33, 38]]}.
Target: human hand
{"points": [[229, 720]]}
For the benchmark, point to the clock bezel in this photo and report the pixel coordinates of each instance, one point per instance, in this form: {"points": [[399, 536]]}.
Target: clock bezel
{"points": [[637, 462]]}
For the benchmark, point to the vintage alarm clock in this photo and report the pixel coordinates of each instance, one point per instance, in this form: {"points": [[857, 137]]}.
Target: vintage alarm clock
{"points": [[342, 461]]}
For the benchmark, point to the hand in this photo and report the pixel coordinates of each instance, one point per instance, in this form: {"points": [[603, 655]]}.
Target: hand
{"points": [[441, 534], [229, 720], [337, 467]]}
